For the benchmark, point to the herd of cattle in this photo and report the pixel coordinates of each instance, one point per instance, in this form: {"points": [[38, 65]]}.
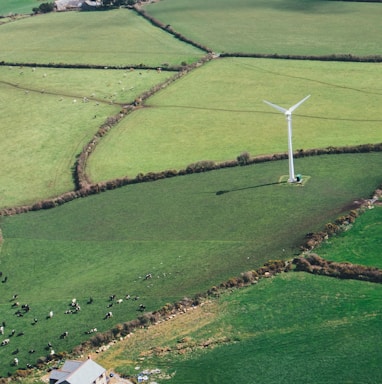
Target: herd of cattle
{"points": [[22, 310]]}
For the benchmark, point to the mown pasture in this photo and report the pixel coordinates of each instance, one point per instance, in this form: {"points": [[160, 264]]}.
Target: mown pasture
{"points": [[117, 37], [47, 117], [294, 327], [12, 7], [217, 112], [290, 27], [361, 245], [181, 230]]}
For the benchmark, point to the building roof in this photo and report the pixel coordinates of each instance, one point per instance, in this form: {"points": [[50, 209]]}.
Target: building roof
{"points": [[77, 372]]}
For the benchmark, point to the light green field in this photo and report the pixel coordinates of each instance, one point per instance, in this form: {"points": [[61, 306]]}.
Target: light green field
{"points": [[309, 27], [118, 37], [45, 123], [217, 112]]}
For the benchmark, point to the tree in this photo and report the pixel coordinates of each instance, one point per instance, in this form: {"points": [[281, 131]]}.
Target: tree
{"points": [[44, 8]]}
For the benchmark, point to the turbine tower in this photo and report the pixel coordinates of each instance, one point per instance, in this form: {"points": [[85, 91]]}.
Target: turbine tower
{"points": [[288, 114]]}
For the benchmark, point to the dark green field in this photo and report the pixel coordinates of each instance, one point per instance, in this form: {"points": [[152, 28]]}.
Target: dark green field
{"points": [[294, 328], [231, 220], [361, 245]]}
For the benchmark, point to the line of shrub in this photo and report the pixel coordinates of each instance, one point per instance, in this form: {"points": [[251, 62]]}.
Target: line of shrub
{"points": [[315, 264], [169, 29], [331, 57], [170, 310], [169, 68], [85, 188]]}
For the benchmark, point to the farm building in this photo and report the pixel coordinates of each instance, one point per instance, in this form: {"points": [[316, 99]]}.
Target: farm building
{"points": [[66, 5], [79, 372], [84, 5]]}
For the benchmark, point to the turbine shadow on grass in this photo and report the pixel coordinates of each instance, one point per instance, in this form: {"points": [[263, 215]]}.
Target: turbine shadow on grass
{"points": [[251, 187]]}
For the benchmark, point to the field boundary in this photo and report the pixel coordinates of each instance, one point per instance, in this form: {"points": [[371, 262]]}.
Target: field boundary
{"points": [[87, 188]]}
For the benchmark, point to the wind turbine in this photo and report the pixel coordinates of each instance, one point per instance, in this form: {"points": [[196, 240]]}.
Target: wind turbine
{"points": [[288, 114]]}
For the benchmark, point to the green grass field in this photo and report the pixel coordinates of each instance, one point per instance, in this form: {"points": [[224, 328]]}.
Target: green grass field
{"points": [[360, 245], [106, 243], [83, 38], [195, 231], [310, 27], [45, 123], [17, 6], [217, 112], [294, 327]]}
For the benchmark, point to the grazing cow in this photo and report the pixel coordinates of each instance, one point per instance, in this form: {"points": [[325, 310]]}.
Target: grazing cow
{"points": [[90, 301], [112, 297], [50, 314], [15, 296], [141, 307], [16, 304], [51, 353], [26, 307], [5, 342], [127, 297], [12, 332], [20, 334], [49, 344], [5, 279], [32, 351], [148, 276], [108, 315], [91, 331], [2, 330], [73, 303], [119, 301], [29, 366], [64, 335], [16, 361]]}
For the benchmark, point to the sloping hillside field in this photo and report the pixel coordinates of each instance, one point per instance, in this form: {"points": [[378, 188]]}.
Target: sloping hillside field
{"points": [[291, 27], [47, 117], [118, 37], [189, 232], [217, 112]]}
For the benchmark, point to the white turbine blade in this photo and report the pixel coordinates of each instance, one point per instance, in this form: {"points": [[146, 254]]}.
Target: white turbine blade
{"points": [[291, 109], [281, 109]]}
